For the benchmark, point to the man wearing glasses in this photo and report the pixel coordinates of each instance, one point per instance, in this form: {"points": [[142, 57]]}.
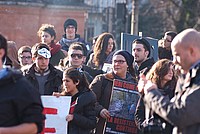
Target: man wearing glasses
{"points": [[24, 56], [70, 36], [164, 49]]}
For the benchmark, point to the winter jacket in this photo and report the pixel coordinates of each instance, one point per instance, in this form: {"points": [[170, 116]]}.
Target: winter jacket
{"points": [[93, 72], [140, 112], [84, 113], [19, 101], [88, 71], [183, 109], [145, 66], [102, 87], [53, 82], [163, 53], [64, 64]]}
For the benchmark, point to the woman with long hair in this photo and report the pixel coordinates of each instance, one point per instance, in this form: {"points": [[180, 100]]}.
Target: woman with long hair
{"points": [[82, 116], [104, 49], [102, 85], [163, 75]]}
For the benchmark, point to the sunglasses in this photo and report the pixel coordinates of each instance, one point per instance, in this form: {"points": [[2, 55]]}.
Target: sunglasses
{"points": [[77, 55], [119, 61]]}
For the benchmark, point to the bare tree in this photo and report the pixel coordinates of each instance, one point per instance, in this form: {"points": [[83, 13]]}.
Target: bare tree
{"points": [[173, 15]]}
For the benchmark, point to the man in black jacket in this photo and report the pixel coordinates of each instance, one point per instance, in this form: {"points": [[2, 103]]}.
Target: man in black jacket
{"points": [[44, 76], [141, 50], [20, 104]]}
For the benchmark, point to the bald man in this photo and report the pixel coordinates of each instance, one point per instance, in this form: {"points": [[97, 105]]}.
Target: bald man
{"points": [[183, 111]]}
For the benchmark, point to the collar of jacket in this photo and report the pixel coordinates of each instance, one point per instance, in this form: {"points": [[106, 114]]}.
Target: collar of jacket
{"points": [[109, 76], [147, 63], [31, 71], [191, 75]]}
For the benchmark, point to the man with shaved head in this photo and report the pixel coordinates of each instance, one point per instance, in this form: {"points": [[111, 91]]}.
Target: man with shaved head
{"points": [[183, 110]]}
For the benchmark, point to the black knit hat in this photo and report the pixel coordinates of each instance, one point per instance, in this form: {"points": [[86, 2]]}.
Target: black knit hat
{"points": [[70, 22], [129, 57], [145, 43]]}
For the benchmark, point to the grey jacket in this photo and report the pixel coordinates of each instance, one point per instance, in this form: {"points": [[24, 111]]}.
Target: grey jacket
{"points": [[183, 109]]}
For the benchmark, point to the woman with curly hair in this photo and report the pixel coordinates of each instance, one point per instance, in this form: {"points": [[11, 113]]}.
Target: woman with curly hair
{"points": [[163, 75], [104, 49]]}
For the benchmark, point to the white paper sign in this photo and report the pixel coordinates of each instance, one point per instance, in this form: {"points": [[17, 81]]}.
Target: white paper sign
{"points": [[56, 110], [107, 67]]}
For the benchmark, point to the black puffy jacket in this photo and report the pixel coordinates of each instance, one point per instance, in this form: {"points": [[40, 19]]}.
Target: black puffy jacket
{"points": [[84, 113]]}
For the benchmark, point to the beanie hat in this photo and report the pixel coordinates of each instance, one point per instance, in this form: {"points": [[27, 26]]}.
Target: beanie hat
{"points": [[128, 57], [70, 22], [145, 43]]}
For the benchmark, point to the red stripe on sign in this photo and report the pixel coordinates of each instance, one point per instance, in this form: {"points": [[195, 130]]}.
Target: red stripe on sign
{"points": [[49, 130], [53, 111], [50, 110]]}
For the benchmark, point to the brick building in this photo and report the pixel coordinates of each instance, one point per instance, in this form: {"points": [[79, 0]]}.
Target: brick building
{"points": [[20, 20]]}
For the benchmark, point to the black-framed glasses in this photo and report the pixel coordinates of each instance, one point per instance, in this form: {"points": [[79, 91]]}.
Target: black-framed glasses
{"points": [[119, 61], [25, 57], [77, 55]]}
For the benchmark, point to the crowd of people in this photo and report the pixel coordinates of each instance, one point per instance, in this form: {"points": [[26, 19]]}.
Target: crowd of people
{"points": [[168, 87]]}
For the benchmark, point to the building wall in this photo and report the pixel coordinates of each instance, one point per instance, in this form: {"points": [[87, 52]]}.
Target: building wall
{"points": [[20, 23]]}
